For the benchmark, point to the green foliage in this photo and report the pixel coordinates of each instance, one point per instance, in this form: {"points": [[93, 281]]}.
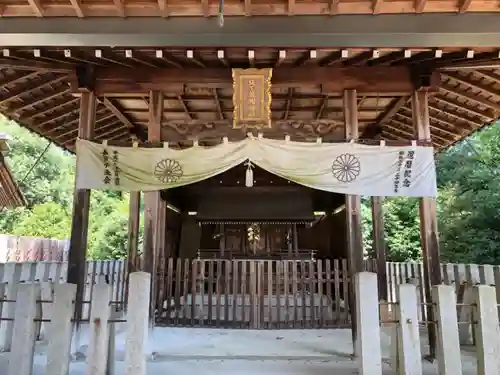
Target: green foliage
{"points": [[48, 187], [49, 220]]}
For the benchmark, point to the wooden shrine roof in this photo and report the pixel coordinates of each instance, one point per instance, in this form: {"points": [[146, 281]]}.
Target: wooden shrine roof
{"points": [[36, 92], [10, 193], [155, 8]]}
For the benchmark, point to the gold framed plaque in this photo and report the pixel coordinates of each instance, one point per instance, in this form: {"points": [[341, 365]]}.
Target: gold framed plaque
{"points": [[252, 98]]}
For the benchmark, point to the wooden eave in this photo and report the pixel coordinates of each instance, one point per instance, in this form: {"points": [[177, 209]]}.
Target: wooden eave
{"points": [[11, 195], [36, 91], [206, 8]]}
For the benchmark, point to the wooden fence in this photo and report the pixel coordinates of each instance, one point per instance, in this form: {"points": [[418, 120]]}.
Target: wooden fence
{"points": [[253, 293]]}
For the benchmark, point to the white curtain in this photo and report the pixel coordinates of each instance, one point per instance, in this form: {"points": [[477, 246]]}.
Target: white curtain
{"points": [[346, 168]]}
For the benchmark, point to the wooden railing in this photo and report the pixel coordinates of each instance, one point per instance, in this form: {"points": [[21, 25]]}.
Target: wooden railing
{"points": [[274, 254], [253, 293]]}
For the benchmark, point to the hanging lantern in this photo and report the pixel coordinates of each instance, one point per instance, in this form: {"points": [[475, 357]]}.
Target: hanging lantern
{"points": [[249, 174]]}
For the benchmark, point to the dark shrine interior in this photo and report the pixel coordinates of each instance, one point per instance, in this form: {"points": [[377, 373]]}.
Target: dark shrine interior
{"points": [[214, 218]]}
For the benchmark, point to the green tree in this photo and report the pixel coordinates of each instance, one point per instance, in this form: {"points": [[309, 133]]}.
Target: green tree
{"points": [[48, 220]]}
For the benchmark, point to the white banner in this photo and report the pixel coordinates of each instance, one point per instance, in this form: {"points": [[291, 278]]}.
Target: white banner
{"points": [[346, 168]]}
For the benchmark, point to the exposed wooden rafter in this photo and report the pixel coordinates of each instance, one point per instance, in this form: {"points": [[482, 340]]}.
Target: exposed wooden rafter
{"points": [[78, 8], [37, 7], [34, 89]]}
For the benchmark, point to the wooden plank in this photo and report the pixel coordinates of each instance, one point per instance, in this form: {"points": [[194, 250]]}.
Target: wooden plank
{"points": [[194, 292], [270, 273], [394, 80], [133, 235], [161, 281], [278, 286], [295, 280], [346, 282], [185, 283], [320, 318], [336, 277], [261, 295], [330, 304], [202, 291], [303, 286], [244, 290], [253, 294], [235, 279], [170, 287], [178, 285], [312, 293], [218, 291], [210, 289], [286, 288], [227, 289]]}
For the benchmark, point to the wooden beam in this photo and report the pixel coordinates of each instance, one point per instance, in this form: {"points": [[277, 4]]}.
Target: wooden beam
{"points": [[464, 6], [385, 116], [393, 108], [36, 66], [381, 79], [11, 79], [218, 105], [77, 7], [355, 252], [109, 104], [428, 220], [120, 7], [471, 83], [33, 85], [469, 96], [376, 6], [420, 5], [40, 99], [81, 206], [37, 7]]}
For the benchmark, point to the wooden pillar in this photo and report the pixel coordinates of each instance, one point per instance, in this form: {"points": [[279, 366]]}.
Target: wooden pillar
{"points": [[379, 245], [355, 257], [152, 201], [428, 219], [133, 236], [133, 231], [222, 239], [81, 205], [295, 237]]}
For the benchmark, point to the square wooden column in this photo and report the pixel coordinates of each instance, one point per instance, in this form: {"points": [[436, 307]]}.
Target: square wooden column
{"points": [[355, 257], [133, 236], [152, 202], [378, 237], [428, 218], [81, 205]]}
